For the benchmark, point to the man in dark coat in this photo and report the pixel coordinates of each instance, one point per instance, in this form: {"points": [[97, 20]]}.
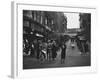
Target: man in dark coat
{"points": [[48, 51], [63, 53], [54, 53]]}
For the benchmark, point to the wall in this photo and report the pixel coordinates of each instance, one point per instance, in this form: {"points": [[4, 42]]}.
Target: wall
{"points": [[5, 40]]}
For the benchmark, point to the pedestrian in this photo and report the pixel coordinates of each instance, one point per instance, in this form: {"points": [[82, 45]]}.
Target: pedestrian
{"points": [[86, 46], [37, 49], [32, 50], [63, 53], [54, 53], [42, 56], [48, 51], [79, 44]]}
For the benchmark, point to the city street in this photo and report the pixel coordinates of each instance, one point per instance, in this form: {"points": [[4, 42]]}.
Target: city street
{"points": [[73, 59]]}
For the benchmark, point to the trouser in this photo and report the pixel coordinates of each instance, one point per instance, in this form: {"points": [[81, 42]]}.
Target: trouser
{"points": [[62, 60]]}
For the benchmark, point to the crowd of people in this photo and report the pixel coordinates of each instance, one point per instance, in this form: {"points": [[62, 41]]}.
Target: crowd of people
{"points": [[44, 50]]}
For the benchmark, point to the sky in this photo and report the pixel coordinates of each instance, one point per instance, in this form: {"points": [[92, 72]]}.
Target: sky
{"points": [[72, 20]]}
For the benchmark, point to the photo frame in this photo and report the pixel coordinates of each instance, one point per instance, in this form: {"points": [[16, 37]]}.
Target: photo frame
{"points": [[17, 61]]}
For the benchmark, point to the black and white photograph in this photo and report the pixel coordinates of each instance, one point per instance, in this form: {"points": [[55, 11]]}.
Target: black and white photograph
{"points": [[54, 39], [50, 40]]}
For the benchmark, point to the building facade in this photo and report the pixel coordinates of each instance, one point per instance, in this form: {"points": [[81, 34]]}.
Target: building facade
{"points": [[52, 21], [85, 25]]}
